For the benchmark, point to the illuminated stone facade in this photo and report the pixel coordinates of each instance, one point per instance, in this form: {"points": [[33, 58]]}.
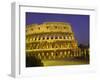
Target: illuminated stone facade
{"points": [[51, 40]]}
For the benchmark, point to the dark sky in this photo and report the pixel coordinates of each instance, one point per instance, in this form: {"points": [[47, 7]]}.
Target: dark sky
{"points": [[80, 23]]}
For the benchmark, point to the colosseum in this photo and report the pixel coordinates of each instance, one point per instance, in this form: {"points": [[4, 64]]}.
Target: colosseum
{"points": [[51, 41]]}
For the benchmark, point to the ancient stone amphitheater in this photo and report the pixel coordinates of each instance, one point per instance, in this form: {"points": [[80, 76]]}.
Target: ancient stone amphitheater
{"points": [[51, 40]]}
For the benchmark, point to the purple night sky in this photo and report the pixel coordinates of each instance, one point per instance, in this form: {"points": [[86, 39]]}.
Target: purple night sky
{"points": [[80, 23]]}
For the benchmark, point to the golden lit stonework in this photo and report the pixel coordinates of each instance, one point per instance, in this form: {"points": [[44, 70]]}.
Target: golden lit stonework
{"points": [[51, 40]]}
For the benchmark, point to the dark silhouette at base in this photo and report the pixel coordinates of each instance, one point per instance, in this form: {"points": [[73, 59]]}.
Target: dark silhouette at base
{"points": [[32, 61]]}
